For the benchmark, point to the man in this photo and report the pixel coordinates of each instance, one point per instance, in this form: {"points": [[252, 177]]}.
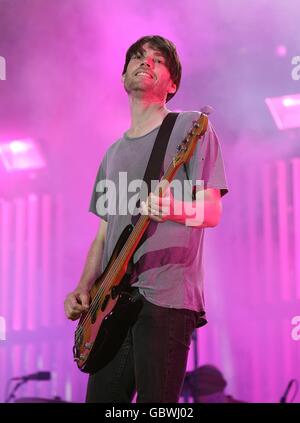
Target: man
{"points": [[168, 265]]}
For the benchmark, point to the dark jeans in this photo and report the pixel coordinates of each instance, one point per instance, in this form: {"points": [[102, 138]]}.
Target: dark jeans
{"points": [[152, 359]]}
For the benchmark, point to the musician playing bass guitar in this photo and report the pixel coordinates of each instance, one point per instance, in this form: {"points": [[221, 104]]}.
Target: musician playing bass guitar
{"points": [[162, 255]]}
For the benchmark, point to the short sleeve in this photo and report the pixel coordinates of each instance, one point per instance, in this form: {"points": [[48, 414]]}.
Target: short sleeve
{"points": [[206, 166], [98, 191]]}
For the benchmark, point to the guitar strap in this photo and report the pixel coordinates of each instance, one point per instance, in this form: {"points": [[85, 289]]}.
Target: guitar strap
{"points": [[154, 169], [155, 164]]}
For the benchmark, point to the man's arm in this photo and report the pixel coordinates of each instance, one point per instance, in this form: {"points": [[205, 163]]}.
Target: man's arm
{"points": [[204, 212], [78, 301]]}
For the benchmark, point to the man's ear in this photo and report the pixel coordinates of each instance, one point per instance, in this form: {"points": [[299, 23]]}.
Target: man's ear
{"points": [[123, 77], [172, 88]]}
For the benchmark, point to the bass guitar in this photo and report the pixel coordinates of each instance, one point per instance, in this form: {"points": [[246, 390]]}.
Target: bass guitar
{"points": [[102, 328]]}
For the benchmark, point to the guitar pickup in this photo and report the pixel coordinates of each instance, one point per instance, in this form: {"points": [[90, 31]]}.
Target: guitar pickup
{"points": [[105, 301], [115, 292]]}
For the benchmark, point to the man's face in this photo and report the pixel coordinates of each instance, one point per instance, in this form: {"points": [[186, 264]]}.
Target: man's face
{"points": [[147, 75]]}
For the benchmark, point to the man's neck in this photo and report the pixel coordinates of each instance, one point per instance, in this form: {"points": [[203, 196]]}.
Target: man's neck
{"points": [[145, 116]]}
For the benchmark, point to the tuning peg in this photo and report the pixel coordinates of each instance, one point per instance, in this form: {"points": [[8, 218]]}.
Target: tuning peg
{"points": [[207, 110]]}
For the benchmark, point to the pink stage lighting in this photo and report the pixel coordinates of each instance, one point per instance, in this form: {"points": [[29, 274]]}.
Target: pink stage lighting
{"points": [[21, 154], [285, 110]]}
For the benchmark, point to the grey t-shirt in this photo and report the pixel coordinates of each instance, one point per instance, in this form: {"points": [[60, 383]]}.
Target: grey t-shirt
{"points": [[168, 265]]}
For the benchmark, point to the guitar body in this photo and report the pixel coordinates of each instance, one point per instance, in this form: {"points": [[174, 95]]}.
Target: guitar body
{"points": [[100, 333]]}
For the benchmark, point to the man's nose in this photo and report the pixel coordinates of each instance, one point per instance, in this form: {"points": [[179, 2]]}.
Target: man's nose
{"points": [[147, 61]]}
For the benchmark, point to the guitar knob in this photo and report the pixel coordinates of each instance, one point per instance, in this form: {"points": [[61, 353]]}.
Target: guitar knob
{"points": [[88, 345]]}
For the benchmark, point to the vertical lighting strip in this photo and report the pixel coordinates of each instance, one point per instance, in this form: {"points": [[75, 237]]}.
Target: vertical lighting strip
{"points": [[273, 351], [47, 356], [250, 236], [59, 285], [296, 215], [5, 297], [20, 252], [284, 269], [65, 367], [33, 294], [17, 365], [4, 275], [286, 356], [58, 368], [251, 272], [267, 233], [32, 348], [256, 377], [46, 298]]}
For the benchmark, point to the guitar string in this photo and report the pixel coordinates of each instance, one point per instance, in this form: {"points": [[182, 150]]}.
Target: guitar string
{"points": [[102, 289]]}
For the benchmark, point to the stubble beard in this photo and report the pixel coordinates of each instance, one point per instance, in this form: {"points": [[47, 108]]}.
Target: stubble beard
{"points": [[133, 86]]}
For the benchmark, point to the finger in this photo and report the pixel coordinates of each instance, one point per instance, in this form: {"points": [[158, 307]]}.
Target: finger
{"points": [[75, 303], [153, 199], [72, 299], [154, 211], [85, 300], [72, 308], [78, 308], [153, 208], [156, 218], [144, 208], [71, 314], [74, 315]]}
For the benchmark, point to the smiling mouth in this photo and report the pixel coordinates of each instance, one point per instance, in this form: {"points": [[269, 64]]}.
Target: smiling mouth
{"points": [[143, 74]]}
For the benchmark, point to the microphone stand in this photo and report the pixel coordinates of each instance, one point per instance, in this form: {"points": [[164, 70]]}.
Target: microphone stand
{"points": [[12, 396], [283, 399]]}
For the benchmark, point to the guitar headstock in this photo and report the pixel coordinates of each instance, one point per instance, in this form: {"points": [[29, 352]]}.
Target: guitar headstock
{"points": [[187, 146]]}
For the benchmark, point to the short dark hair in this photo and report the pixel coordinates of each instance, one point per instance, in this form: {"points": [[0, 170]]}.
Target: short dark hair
{"points": [[168, 50]]}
